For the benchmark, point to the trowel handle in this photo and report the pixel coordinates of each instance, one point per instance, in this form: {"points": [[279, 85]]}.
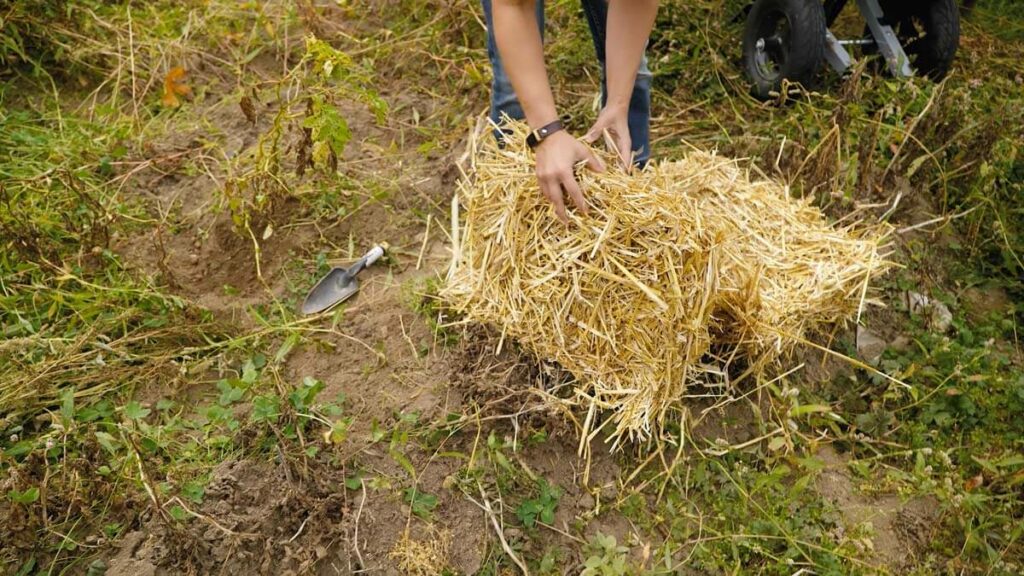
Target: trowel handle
{"points": [[372, 256]]}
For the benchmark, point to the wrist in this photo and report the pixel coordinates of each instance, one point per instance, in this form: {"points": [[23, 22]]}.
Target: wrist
{"points": [[538, 136], [617, 105], [556, 137]]}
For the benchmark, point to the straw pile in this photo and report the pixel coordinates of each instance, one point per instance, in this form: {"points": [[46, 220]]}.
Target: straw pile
{"points": [[682, 273]]}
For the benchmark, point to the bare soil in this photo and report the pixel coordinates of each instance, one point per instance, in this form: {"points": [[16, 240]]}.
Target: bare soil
{"points": [[897, 530]]}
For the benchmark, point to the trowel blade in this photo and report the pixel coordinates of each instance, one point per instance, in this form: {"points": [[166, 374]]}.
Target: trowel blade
{"points": [[330, 291]]}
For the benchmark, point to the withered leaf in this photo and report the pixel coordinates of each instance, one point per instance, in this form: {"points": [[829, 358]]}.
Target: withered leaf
{"points": [[248, 108], [174, 86]]}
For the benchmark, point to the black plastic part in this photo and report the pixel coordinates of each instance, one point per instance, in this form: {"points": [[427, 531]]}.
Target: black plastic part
{"points": [[783, 40]]}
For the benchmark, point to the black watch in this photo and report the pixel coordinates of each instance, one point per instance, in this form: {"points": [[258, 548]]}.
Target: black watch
{"points": [[533, 139]]}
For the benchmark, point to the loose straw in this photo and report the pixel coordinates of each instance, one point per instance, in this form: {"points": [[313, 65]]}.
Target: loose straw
{"points": [[676, 267]]}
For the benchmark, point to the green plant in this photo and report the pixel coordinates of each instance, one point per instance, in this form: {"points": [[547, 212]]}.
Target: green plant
{"points": [[421, 503], [542, 507], [606, 558], [317, 85]]}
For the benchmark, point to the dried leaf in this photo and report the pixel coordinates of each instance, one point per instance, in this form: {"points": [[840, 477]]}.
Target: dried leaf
{"points": [[174, 86], [248, 108]]}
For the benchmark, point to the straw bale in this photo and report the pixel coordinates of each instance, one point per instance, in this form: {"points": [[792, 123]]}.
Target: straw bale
{"points": [[681, 273]]}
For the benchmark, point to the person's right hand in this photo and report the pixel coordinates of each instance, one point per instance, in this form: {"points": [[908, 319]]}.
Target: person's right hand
{"points": [[557, 155]]}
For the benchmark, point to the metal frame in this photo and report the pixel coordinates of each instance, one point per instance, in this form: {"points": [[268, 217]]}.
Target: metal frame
{"points": [[883, 37]]}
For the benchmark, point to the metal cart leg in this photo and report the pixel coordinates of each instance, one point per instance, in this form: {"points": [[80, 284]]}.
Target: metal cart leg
{"points": [[835, 54], [886, 40]]}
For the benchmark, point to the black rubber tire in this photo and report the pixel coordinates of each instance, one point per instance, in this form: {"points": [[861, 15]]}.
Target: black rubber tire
{"points": [[794, 47], [929, 31]]}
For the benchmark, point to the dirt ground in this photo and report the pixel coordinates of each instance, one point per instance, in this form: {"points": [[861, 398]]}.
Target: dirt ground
{"points": [[272, 518]]}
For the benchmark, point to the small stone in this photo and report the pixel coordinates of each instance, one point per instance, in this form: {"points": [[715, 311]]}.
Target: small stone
{"points": [[938, 314], [916, 302], [193, 258], [941, 318], [870, 346], [586, 501]]}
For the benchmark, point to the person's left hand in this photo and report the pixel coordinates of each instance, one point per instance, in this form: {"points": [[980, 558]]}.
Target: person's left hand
{"points": [[613, 124]]}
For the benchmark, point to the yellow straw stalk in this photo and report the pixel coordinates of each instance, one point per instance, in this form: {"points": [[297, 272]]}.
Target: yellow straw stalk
{"points": [[681, 273]]}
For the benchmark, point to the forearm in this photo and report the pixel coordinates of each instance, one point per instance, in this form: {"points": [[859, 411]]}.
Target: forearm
{"points": [[522, 54], [629, 27]]}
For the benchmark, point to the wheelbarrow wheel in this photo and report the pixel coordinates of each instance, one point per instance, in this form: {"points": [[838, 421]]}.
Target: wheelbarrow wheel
{"points": [[929, 31], [783, 40]]}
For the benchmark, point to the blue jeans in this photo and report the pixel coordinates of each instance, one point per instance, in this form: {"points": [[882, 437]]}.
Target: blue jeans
{"points": [[503, 97]]}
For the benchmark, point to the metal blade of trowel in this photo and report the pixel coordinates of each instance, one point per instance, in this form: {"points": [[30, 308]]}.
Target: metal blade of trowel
{"points": [[339, 284]]}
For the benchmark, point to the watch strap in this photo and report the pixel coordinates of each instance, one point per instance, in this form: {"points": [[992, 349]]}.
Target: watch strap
{"points": [[533, 139]]}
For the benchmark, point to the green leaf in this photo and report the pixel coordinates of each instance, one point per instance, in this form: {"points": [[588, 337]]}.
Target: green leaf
{"points": [[249, 372], [303, 396], [547, 515], [422, 504], [286, 347], [67, 405], [193, 491], [811, 463], [339, 431], [810, 409], [178, 513], [542, 508], [1010, 461], [403, 461], [134, 411], [228, 394], [97, 568], [108, 442], [328, 126], [19, 449], [27, 568], [27, 497], [376, 432], [527, 513], [266, 409]]}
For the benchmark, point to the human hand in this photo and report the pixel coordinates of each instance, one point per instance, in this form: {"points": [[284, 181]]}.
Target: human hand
{"points": [[613, 124], [557, 156]]}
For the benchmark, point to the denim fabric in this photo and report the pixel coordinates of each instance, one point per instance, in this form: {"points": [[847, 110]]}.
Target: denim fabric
{"points": [[503, 97]]}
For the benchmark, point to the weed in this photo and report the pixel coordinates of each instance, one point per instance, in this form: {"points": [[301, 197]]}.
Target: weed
{"points": [[542, 507], [421, 503], [606, 558], [422, 296], [316, 84]]}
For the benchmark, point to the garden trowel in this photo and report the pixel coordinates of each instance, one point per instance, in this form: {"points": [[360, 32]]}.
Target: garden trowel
{"points": [[339, 284]]}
